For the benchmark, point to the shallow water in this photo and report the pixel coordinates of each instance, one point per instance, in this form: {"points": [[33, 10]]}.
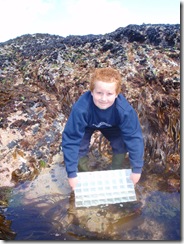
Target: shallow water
{"points": [[44, 209]]}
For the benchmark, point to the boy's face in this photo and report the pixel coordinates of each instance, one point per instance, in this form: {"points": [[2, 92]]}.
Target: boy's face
{"points": [[104, 94]]}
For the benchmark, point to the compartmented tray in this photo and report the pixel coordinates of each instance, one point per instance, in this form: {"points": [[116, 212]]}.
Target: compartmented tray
{"points": [[104, 187]]}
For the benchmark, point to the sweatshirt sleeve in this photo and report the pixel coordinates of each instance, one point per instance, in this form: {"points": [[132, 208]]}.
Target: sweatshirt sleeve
{"points": [[71, 139], [133, 139]]}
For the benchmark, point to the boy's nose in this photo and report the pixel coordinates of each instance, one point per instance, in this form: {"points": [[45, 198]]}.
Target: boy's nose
{"points": [[103, 98]]}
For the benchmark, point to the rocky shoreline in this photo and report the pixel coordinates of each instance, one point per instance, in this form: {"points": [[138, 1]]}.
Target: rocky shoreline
{"points": [[42, 75]]}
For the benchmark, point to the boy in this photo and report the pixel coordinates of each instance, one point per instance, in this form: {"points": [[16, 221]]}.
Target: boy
{"points": [[103, 108]]}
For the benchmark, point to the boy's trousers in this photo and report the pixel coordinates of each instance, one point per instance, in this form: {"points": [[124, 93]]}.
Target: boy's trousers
{"points": [[112, 134]]}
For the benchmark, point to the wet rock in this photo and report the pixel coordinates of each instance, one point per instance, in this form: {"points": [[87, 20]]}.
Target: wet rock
{"points": [[42, 76]]}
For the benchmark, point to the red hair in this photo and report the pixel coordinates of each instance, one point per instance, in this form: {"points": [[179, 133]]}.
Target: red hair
{"points": [[108, 75]]}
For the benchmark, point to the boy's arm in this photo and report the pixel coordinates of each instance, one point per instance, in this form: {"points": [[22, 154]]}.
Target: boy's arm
{"points": [[71, 139], [133, 139]]}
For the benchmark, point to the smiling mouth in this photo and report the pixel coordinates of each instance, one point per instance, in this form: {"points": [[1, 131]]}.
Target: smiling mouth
{"points": [[103, 102]]}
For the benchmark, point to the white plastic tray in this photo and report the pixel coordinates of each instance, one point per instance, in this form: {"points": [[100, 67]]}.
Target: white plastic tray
{"points": [[104, 187]]}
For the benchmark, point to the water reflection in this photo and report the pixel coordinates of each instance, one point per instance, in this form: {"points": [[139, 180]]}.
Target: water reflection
{"points": [[45, 210]]}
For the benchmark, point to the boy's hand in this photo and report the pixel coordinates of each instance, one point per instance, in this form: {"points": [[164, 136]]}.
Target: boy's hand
{"points": [[73, 182], [135, 177]]}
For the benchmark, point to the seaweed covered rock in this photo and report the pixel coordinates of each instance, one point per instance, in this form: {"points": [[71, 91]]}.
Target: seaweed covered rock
{"points": [[42, 75]]}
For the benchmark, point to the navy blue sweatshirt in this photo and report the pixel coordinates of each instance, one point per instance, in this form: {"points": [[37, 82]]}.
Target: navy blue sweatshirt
{"points": [[86, 114]]}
